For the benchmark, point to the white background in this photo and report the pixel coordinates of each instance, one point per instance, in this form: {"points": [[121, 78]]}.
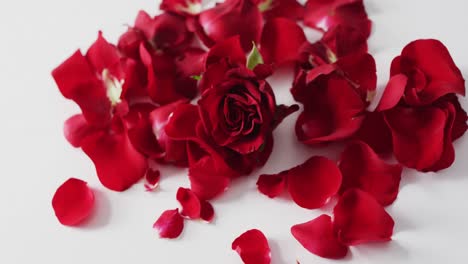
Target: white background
{"points": [[431, 212]]}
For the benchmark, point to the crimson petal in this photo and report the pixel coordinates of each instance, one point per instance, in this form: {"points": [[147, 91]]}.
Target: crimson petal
{"points": [[73, 202], [191, 205], [152, 178], [76, 128], [207, 211], [252, 246], [359, 218], [271, 185], [362, 168], [318, 237], [170, 224], [290, 9], [312, 183], [393, 92], [118, 164]]}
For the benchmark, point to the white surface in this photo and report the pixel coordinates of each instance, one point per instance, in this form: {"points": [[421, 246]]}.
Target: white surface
{"points": [[431, 212]]}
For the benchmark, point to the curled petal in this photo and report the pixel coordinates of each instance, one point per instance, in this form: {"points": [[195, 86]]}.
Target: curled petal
{"points": [[207, 211], [207, 179], [344, 39], [417, 135], [271, 185], [182, 7], [375, 132], [318, 237], [393, 92], [362, 168], [281, 41], [73, 202], [76, 128], [118, 164], [359, 218], [170, 224], [290, 9], [229, 48], [152, 178], [312, 183], [191, 205], [252, 246]]}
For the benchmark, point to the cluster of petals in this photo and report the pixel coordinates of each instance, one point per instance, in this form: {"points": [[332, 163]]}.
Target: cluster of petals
{"points": [[188, 88]]}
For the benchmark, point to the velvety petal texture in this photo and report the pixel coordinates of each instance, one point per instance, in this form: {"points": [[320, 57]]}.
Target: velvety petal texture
{"points": [[170, 224], [252, 246], [189, 202], [359, 218], [73, 202], [362, 168], [318, 236], [272, 185]]}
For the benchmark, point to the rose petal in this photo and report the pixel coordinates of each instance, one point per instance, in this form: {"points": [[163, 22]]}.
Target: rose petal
{"points": [[312, 183], [281, 41], [318, 237], [359, 218], [344, 40], [73, 202], [271, 185], [76, 128], [207, 211], [229, 48], [393, 92], [375, 132], [417, 134], [362, 168], [191, 206], [182, 7], [118, 164], [290, 9], [252, 246], [170, 224], [152, 178]]}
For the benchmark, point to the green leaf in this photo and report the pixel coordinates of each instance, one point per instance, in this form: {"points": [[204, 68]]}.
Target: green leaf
{"points": [[196, 77], [254, 58]]}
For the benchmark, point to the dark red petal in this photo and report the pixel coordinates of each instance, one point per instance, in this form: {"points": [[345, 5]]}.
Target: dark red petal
{"points": [[282, 8], [318, 237], [207, 211], [393, 92], [76, 128], [170, 224], [312, 183], [375, 132], [77, 81], [459, 125], [281, 41], [103, 55], [230, 18], [191, 62], [362, 168], [418, 135], [118, 164], [191, 205], [271, 185], [361, 70], [152, 178], [229, 48], [441, 78], [206, 179], [344, 39], [252, 246], [73, 202], [359, 218]]}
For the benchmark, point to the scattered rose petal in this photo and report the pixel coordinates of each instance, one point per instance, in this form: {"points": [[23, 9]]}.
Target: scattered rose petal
{"points": [[191, 205], [73, 202], [312, 183], [152, 178], [271, 185], [76, 128], [359, 218], [362, 168], [318, 237], [170, 224], [252, 246], [207, 211]]}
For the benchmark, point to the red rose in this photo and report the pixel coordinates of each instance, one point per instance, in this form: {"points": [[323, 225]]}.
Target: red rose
{"points": [[227, 19]]}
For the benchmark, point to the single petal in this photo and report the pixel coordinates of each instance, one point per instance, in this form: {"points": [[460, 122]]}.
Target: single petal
{"points": [[191, 205], [252, 246], [344, 40], [393, 92], [229, 48], [76, 128], [359, 218], [152, 178], [314, 182], [118, 164], [170, 224], [207, 211], [207, 180], [103, 55], [318, 237], [271, 185], [375, 132], [191, 62], [417, 135], [281, 41], [73, 202], [362, 168]]}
